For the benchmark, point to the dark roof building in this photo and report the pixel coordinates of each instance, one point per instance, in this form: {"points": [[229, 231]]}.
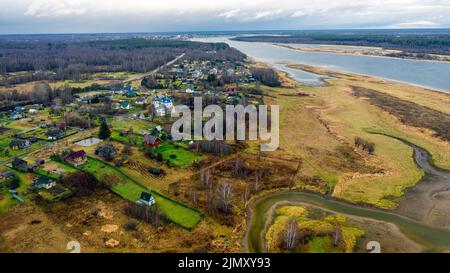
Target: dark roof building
{"points": [[151, 140]]}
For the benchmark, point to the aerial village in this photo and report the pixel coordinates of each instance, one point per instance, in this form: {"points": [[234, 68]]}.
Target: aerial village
{"points": [[121, 134]]}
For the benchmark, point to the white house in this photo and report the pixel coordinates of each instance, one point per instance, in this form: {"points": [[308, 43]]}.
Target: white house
{"points": [[146, 199], [162, 105], [190, 90]]}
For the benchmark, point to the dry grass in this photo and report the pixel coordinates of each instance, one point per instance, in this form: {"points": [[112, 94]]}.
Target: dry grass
{"points": [[320, 129]]}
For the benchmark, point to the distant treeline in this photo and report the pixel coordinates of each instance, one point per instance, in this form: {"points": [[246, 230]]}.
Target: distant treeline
{"points": [[412, 43], [66, 60]]}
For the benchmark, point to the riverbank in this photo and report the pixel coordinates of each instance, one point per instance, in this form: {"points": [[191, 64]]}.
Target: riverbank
{"points": [[362, 51], [419, 237]]}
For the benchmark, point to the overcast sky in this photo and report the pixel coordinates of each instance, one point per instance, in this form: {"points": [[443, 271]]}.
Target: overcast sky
{"points": [[69, 16]]}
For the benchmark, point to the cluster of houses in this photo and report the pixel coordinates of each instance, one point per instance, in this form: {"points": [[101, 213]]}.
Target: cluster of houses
{"points": [[162, 106], [190, 72], [21, 112]]}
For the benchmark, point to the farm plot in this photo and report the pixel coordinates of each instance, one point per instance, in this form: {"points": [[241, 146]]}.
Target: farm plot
{"points": [[131, 190]]}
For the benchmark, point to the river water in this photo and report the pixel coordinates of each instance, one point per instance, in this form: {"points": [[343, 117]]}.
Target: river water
{"points": [[434, 75]]}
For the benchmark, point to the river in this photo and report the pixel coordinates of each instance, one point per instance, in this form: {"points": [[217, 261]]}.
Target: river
{"points": [[433, 75]]}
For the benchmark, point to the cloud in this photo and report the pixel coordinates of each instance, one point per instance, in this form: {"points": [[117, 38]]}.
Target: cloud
{"points": [[230, 14], [180, 15], [47, 8], [417, 24], [298, 14]]}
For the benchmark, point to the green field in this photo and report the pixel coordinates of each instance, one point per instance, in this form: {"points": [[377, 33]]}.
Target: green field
{"points": [[177, 156], [131, 190], [133, 139], [24, 181], [7, 153]]}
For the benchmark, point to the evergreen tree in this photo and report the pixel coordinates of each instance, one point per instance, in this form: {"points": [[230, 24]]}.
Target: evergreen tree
{"points": [[104, 132]]}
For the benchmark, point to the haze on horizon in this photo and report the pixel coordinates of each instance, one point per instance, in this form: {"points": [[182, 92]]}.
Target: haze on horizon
{"points": [[83, 16]]}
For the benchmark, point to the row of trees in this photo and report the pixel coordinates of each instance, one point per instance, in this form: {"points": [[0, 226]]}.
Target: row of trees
{"points": [[266, 76]]}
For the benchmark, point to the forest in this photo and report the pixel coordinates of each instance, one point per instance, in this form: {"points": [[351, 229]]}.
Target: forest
{"points": [[67, 60]]}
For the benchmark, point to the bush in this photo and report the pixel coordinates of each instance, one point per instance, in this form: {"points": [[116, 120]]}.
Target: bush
{"points": [[149, 215], [130, 225], [365, 145], [80, 183]]}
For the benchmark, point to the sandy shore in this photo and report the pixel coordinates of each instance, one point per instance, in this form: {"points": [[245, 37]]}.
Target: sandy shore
{"points": [[330, 50]]}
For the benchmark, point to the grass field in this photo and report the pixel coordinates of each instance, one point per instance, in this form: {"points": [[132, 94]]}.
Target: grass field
{"points": [[25, 180], [133, 139], [131, 190], [177, 156]]}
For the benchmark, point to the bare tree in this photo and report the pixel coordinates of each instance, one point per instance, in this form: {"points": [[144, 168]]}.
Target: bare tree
{"points": [[337, 234], [291, 234], [256, 185], [225, 196], [246, 195], [205, 177]]}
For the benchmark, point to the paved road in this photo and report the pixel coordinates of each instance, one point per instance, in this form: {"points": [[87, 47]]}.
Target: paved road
{"points": [[140, 77]]}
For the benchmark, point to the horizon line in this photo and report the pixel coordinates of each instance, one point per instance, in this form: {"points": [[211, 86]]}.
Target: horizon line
{"points": [[209, 31]]}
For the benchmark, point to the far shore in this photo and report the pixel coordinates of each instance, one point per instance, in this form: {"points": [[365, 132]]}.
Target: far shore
{"points": [[336, 51]]}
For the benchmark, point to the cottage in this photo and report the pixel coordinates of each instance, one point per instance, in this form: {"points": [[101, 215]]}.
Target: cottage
{"points": [[106, 151], [146, 199], [151, 141], [19, 144], [76, 158], [6, 175], [140, 101], [15, 116], [22, 165], [130, 94], [142, 116], [54, 134], [190, 90], [44, 183], [127, 88], [124, 105]]}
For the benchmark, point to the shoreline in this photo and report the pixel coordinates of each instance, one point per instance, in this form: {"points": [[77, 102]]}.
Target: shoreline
{"points": [[310, 69], [287, 46]]}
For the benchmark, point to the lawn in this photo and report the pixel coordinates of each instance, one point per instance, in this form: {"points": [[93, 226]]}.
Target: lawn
{"points": [[131, 190], [41, 170], [133, 139], [25, 180], [177, 156], [7, 153], [121, 124]]}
